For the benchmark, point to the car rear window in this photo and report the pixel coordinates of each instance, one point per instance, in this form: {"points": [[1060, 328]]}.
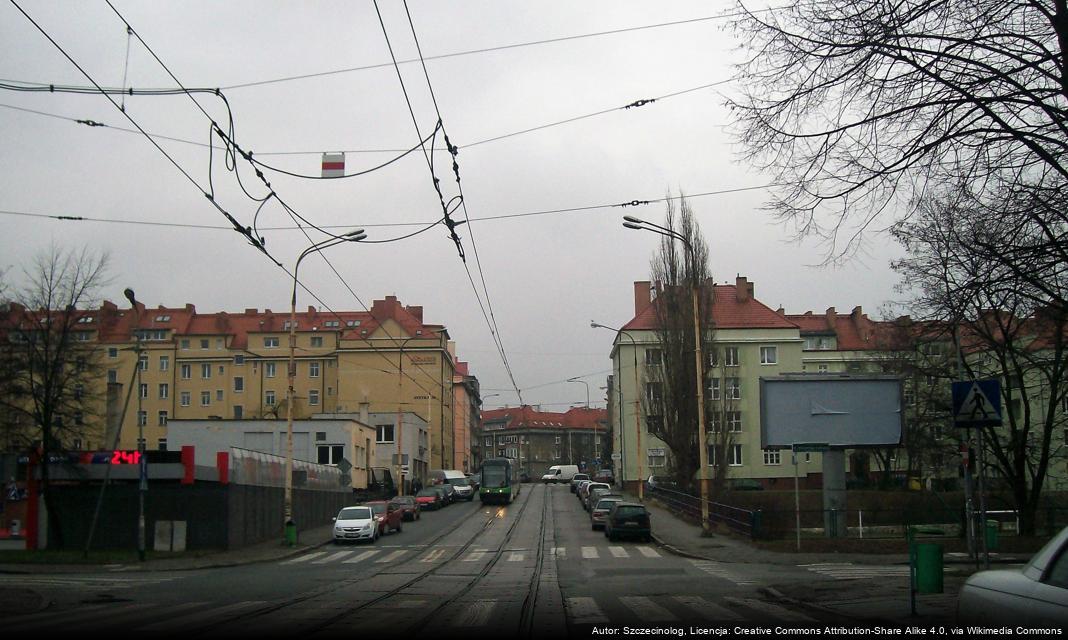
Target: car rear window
{"points": [[355, 513], [427, 493], [605, 504], [580, 476], [627, 512], [379, 508]]}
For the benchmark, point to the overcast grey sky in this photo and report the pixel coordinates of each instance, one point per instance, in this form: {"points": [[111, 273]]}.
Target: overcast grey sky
{"points": [[547, 275]]}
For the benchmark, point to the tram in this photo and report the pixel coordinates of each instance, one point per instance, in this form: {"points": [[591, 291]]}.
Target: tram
{"points": [[500, 480]]}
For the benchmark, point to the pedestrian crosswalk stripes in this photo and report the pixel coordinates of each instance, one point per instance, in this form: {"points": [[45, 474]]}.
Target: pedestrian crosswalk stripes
{"points": [[773, 610], [387, 555], [86, 581], [393, 557], [718, 570], [708, 610], [580, 610], [360, 558], [849, 571], [647, 610]]}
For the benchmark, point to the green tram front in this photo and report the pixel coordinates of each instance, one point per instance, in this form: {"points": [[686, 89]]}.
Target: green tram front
{"points": [[500, 480]]}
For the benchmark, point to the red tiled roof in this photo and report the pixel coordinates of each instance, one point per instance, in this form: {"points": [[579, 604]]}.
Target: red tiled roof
{"points": [[527, 417], [727, 313]]}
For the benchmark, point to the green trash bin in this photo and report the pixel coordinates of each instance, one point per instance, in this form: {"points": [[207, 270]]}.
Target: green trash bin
{"points": [[928, 567], [291, 533], [992, 532]]}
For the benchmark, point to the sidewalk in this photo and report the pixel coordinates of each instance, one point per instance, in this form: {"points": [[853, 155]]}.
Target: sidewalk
{"points": [[876, 600]]}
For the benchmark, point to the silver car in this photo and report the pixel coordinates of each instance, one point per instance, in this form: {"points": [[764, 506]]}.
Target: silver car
{"points": [[1034, 596]]}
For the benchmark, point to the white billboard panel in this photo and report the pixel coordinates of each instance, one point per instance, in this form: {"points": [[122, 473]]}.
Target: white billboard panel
{"points": [[839, 410]]}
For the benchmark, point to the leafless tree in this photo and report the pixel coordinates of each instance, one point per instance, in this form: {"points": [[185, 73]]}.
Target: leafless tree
{"points": [[670, 401], [1003, 332], [858, 108], [51, 393]]}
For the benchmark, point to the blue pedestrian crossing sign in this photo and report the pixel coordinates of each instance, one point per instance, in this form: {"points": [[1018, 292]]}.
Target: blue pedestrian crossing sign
{"points": [[977, 403]]}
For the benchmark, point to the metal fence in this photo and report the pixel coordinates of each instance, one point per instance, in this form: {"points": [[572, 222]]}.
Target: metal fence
{"points": [[742, 521]]}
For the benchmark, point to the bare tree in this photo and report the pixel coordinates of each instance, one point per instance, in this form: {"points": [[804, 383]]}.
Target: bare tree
{"points": [[1003, 331], [51, 393], [670, 401], [858, 107]]}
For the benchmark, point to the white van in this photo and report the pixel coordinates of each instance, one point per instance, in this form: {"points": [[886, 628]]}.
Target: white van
{"points": [[560, 473], [459, 481]]}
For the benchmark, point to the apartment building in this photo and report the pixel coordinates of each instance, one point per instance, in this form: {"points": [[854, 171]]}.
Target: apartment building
{"points": [[166, 363], [540, 439]]}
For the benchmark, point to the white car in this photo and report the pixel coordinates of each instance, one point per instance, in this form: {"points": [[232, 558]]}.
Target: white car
{"points": [[353, 524], [1034, 596]]}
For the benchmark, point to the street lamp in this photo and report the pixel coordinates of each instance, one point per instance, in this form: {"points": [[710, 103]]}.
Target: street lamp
{"points": [[142, 462], [631, 222], [352, 236], [637, 408]]}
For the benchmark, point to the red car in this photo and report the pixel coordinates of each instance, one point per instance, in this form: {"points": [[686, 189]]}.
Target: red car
{"points": [[428, 499], [408, 506], [388, 515]]}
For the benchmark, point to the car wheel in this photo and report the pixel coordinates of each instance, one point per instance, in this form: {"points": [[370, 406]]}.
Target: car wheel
{"points": [[399, 529], [593, 527]]}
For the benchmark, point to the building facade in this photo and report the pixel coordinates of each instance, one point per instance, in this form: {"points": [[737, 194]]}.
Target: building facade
{"points": [[157, 365], [541, 439], [466, 405]]}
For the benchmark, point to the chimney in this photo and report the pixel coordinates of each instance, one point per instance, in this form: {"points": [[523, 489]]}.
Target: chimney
{"points": [[744, 288], [251, 312], [831, 315], [417, 313], [365, 410], [642, 296]]}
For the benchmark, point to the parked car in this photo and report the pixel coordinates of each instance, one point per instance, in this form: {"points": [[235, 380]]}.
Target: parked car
{"points": [[408, 505], [463, 488], [596, 494], [581, 487], [628, 520], [354, 524], [560, 473], [586, 492], [447, 493], [605, 475], [430, 498], [1036, 595], [661, 482], [476, 480], [579, 477], [600, 511], [388, 516]]}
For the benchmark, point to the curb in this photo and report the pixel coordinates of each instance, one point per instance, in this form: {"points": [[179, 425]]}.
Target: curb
{"points": [[676, 551]]}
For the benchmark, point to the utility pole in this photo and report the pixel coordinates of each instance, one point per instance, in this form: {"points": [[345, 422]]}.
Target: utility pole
{"points": [[142, 461]]}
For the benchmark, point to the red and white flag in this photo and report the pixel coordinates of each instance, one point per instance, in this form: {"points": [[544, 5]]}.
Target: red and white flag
{"points": [[333, 165]]}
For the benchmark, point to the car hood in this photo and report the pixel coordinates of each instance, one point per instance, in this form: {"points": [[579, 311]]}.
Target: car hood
{"points": [[352, 523]]}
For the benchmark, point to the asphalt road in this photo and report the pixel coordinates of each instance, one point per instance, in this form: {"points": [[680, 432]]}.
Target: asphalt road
{"points": [[530, 569]]}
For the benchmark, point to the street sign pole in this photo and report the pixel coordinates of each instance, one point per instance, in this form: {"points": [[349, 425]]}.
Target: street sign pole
{"points": [[977, 404], [797, 500]]}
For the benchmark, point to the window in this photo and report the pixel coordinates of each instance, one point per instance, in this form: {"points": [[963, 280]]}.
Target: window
{"points": [[735, 457], [239, 412], [713, 389], [113, 375], [144, 389], [653, 394], [164, 391], [270, 343], [511, 452], [82, 336], [142, 361], [113, 352], [734, 421], [317, 341], [185, 343], [187, 371], [489, 442], [822, 368], [313, 397], [557, 440], [657, 458], [219, 343], [142, 418], [79, 418], [385, 433], [313, 369], [220, 395], [185, 398], [769, 355], [144, 334], [162, 419], [239, 361], [205, 371], [331, 454], [734, 388], [239, 384], [161, 444], [269, 398], [730, 357], [269, 369], [653, 356], [222, 370], [164, 363], [205, 398], [332, 323], [715, 421], [205, 343], [713, 358], [772, 457], [163, 318]]}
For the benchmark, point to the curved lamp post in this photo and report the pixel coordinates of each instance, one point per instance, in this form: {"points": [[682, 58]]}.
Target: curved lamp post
{"points": [[631, 222], [352, 236]]}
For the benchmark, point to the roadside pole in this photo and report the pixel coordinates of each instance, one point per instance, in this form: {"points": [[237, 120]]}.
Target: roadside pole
{"points": [[797, 498]]}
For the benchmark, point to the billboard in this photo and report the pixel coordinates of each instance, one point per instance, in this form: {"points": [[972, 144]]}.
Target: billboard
{"points": [[837, 410]]}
